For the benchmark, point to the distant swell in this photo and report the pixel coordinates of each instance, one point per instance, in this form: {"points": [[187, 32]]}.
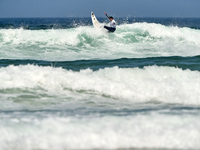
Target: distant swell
{"points": [[191, 63]]}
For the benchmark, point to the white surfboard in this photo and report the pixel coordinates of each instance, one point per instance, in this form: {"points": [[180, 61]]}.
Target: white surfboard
{"points": [[95, 21]]}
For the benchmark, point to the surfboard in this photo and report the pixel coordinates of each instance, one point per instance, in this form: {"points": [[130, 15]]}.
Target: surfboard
{"points": [[95, 21]]}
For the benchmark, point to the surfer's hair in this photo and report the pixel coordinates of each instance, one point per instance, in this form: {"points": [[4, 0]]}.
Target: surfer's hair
{"points": [[110, 17]]}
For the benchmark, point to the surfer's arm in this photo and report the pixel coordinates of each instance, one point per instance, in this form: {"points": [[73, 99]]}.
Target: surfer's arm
{"points": [[106, 14]]}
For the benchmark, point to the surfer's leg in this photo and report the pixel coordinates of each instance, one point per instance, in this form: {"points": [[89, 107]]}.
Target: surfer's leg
{"points": [[106, 27], [110, 29]]}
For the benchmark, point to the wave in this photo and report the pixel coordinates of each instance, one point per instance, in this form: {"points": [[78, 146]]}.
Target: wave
{"points": [[191, 63], [153, 83], [137, 40]]}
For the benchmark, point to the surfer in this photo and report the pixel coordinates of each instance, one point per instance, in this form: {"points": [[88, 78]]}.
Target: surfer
{"points": [[112, 27]]}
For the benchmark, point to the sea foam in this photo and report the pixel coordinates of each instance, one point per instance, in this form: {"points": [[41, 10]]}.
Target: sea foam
{"points": [[107, 132], [163, 84], [136, 40]]}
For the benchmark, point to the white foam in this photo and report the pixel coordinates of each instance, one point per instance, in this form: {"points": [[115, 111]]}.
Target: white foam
{"points": [[22, 130], [164, 84], [129, 40], [109, 132]]}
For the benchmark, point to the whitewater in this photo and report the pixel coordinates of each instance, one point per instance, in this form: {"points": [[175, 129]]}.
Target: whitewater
{"points": [[66, 85], [136, 40]]}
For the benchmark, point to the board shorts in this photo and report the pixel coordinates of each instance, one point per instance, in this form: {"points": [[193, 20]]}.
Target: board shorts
{"points": [[110, 29]]}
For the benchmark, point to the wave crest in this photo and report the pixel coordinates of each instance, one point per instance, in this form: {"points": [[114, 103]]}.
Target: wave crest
{"points": [[163, 84], [136, 40]]}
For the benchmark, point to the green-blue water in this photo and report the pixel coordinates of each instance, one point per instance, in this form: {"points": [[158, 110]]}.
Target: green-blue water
{"points": [[66, 85]]}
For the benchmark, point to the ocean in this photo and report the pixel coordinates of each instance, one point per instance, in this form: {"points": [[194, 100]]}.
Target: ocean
{"points": [[67, 85]]}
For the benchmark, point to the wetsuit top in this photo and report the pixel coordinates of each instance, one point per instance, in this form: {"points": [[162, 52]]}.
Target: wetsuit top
{"points": [[113, 24]]}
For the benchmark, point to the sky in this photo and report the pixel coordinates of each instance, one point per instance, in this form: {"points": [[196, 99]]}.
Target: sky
{"points": [[83, 8]]}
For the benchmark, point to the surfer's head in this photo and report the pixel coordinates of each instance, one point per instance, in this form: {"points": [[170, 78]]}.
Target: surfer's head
{"points": [[111, 18]]}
